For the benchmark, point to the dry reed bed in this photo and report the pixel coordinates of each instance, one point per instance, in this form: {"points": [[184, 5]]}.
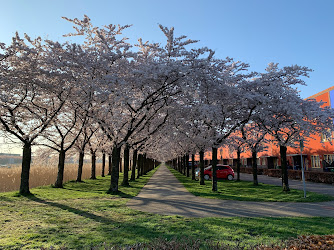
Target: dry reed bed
{"points": [[42, 175]]}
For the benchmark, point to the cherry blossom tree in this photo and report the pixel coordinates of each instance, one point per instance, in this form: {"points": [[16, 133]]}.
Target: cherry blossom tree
{"points": [[287, 117], [81, 144], [62, 135], [33, 92], [236, 143], [254, 137]]}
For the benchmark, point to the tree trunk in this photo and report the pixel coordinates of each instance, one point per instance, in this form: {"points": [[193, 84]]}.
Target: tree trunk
{"points": [[201, 165], [26, 161], [144, 165], [285, 179], [187, 164], [193, 167], [80, 166], [184, 165], [114, 170], [134, 164], [61, 167], [109, 164], [140, 157], [120, 165], [93, 172], [254, 166], [238, 164], [214, 169], [103, 163], [125, 181]]}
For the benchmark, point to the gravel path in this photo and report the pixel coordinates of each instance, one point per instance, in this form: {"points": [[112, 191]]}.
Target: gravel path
{"points": [[164, 194]]}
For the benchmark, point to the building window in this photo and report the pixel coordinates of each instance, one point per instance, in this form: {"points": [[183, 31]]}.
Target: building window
{"points": [[315, 161], [329, 159], [258, 162]]}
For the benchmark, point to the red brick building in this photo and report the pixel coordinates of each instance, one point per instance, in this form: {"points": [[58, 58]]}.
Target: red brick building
{"points": [[318, 153]]}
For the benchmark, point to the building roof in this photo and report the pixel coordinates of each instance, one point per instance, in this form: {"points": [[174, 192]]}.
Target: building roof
{"points": [[320, 93]]}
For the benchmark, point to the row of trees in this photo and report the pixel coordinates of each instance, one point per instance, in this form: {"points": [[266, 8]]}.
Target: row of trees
{"points": [[269, 104], [160, 100]]}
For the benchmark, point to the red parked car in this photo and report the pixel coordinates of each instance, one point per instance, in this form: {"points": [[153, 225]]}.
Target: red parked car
{"points": [[223, 172]]}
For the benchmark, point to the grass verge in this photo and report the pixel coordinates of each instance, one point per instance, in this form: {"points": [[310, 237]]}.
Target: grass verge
{"points": [[246, 191], [82, 215]]}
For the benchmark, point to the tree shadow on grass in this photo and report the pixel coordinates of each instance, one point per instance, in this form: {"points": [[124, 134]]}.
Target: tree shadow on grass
{"points": [[125, 195], [6, 199], [71, 209], [106, 229], [99, 186]]}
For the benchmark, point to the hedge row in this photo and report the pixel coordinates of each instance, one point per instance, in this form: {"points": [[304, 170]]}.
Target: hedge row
{"points": [[321, 177]]}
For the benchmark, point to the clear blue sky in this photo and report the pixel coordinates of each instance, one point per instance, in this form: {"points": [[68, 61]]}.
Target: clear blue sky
{"points": [[253, 31]]}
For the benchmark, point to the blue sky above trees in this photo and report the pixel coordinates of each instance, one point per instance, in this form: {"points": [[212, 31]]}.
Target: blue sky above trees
{"points": [[257, 32]]}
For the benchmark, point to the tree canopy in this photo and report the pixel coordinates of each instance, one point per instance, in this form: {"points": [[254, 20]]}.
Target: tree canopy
{"points": [[164, 100]]}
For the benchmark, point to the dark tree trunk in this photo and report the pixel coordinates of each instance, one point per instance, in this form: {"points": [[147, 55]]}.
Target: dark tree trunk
{"points": [[93, 172], [103, 164], [80, 166], [26, 161], [120, 165], [109, 164], [144, 165], [134, 164], [125, 181], [238, 164], [140, 159], [184, 165], [114, 170], [140, 165], [285, 179], [214, 169], [187, 164], [181, 164], [193, 167], [254, 166], [201, 166], [61, 167]]}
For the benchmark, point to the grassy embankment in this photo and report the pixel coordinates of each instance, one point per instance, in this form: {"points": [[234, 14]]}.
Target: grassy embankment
{"points": [[83, 215], [246, 191]]}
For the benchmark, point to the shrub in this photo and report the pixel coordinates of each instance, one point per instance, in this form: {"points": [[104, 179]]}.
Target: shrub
{"points": [[321, 177]]}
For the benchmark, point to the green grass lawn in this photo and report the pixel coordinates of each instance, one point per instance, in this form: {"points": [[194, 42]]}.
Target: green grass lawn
{"points": [[246, 191], [82, 215]]}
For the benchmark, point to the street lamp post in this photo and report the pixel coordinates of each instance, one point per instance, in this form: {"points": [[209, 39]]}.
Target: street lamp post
{"points": [[302, 166]]}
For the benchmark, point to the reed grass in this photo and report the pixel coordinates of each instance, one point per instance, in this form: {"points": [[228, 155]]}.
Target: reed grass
{"points": [[42, 175]]}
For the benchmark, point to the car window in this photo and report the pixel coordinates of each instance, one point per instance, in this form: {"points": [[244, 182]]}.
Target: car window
{"points": [[208, 168]]}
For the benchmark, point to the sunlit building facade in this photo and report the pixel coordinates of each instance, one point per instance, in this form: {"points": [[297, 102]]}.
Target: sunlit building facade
{"points": [[317, 155]]}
